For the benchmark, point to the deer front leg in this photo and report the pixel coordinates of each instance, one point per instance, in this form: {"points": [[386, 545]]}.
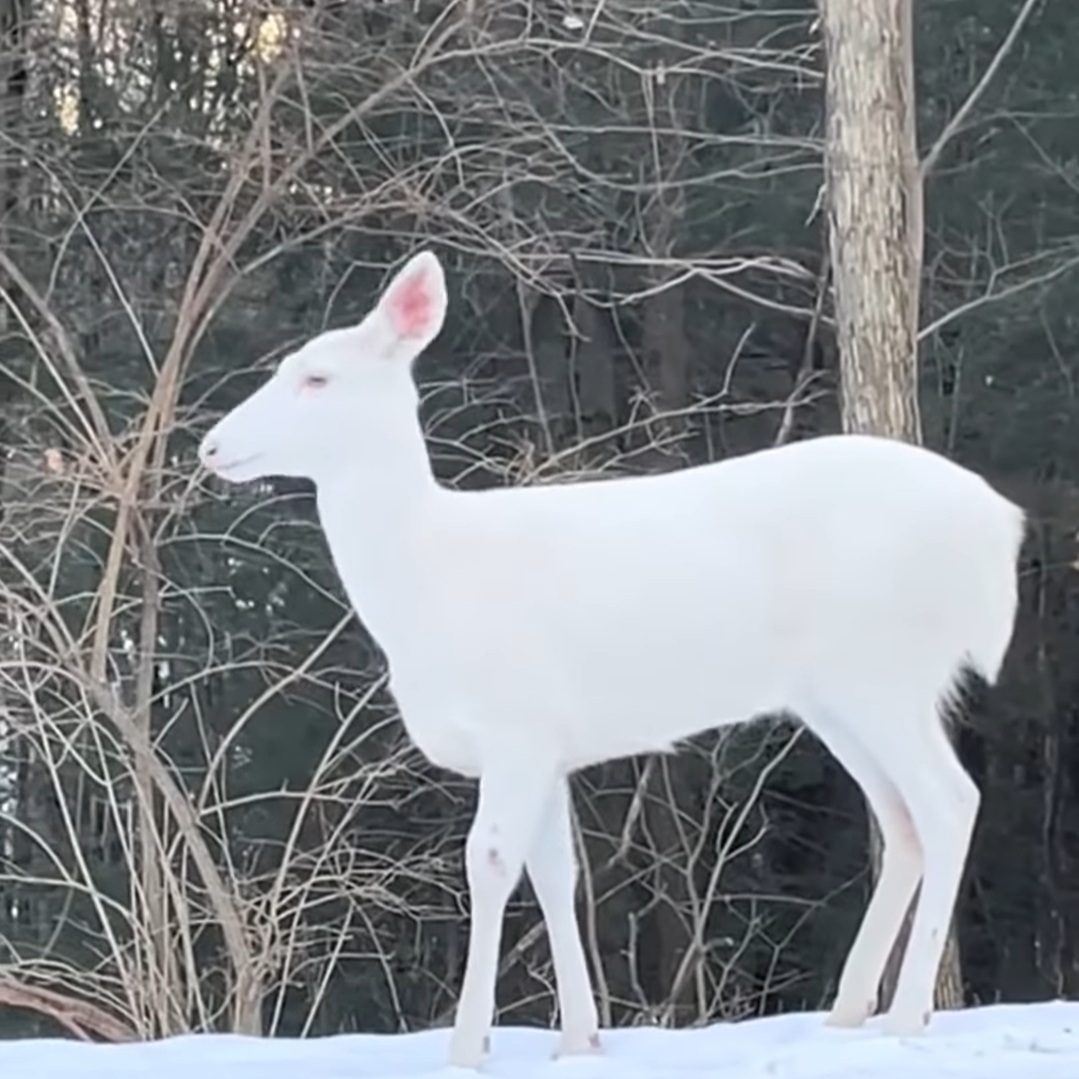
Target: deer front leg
{"points": [[515, 789], [552, 867]]}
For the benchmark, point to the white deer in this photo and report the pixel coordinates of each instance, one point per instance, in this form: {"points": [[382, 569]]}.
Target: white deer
{"points": [[534, 631]]}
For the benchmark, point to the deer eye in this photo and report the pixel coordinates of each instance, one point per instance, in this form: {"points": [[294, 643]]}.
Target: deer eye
{"points": [[314, 382]]}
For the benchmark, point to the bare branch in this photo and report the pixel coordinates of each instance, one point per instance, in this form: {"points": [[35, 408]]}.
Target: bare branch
{"points": [[964, 110]]}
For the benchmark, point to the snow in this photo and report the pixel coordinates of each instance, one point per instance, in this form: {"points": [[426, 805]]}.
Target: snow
{"points": [[1018, 1041]]}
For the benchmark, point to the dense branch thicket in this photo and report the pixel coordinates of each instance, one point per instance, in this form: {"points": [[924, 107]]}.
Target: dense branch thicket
{"points": [[209, 816]]}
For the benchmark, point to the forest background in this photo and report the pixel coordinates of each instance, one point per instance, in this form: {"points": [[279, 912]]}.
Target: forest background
{"points": [[209, 815]]}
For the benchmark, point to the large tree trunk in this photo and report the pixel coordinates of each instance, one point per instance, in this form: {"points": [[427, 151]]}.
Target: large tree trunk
{"points": [[875, 226], [875, 213]]}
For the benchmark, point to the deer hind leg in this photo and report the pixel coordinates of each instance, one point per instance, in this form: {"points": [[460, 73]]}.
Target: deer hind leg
{"points": [[943, 801], [552, 868], [900, 873], [515, 788]]}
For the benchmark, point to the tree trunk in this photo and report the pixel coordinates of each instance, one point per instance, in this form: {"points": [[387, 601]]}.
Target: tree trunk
{"points": [[874, 196], [875, 213]]}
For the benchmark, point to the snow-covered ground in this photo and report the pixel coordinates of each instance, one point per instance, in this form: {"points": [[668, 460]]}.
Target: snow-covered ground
{"points": [[1033, 1041]]}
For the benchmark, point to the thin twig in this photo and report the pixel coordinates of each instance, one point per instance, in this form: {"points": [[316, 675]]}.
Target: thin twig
{"points": [[953, 125]]}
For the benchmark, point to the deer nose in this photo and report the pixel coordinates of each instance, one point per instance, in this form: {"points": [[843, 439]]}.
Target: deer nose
{"points": [[208, 452]]}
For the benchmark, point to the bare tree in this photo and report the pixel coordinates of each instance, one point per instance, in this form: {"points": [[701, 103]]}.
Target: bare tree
{"points": [[874, 199]]}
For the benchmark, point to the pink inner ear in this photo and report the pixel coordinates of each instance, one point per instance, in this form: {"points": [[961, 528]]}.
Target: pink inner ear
{"points": [[411, 306]]}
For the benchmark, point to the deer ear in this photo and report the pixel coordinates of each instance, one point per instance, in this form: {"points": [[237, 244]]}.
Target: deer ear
{"points": [[414, 304]]}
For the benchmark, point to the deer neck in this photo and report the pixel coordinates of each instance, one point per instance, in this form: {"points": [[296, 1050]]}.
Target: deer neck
{"points": [[374, 516]]}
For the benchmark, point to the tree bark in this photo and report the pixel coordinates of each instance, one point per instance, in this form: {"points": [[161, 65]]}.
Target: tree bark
{"points": [[874, 212], [874, 199]]}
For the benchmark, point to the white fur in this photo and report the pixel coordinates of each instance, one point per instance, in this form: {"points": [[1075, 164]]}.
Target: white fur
{"points": [[533, 631]]}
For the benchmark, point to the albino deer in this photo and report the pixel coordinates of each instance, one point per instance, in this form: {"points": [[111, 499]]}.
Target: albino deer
{"points": [[531, 632]]}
